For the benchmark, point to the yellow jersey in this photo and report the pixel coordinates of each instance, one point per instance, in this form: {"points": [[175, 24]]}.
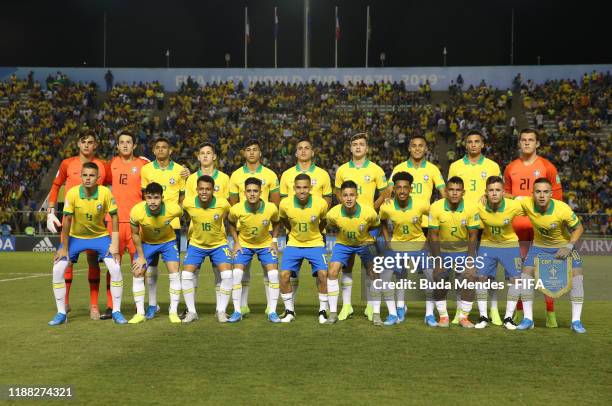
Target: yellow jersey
{"points": [[319, 179], [453, 226], [304, 220], [169, 178], [155, 228], [474, 176], [269, 182], [369, 178], [550, 227], [353, 230], [406, 223], [206, 227], [221, 185], [89, 212], [497, 225], [253, 227]]}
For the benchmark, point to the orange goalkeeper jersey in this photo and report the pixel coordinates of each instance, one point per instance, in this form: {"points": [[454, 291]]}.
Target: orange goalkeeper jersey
{"points": [[124, 177], [69, 175], [519, 178]]}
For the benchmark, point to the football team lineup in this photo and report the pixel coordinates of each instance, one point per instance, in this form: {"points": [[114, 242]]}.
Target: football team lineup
{"points": [[483, 218]]}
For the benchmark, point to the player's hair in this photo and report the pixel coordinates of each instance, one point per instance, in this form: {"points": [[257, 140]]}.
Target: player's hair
{"points": [[208, 144], [252, 141], [359, 136], [128, 133], [494, 179], [154, 188], [475, 132], [302, 176], [542, 180], [206, 179], [348, 184], [456, 180], [87, 134], [418, 137], [252, 181], [90, 165], [162, 139], [529, 130], [304, 139], [403, 176]]}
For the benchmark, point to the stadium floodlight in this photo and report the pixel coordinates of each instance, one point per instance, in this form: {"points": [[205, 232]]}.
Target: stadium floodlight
{"points": [[383, 57]]}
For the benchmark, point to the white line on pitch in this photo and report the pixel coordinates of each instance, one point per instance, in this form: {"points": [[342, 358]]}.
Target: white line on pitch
{"points": [[44, 274]]}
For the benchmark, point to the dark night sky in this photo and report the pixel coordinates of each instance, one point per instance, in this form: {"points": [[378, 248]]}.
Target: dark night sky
{"points": [[199, 33]]}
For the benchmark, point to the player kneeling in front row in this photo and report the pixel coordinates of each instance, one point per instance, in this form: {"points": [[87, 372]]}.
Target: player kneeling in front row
{"points": [[354, 223], [249, 224], [208, 239], [453, 229], [152, 234], [408, 240], [303, 215], [551, 221], [499, 244], [84, 210]]}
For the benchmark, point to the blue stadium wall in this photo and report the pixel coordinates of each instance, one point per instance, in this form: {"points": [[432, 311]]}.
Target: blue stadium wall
{"points": [[439, 78]]}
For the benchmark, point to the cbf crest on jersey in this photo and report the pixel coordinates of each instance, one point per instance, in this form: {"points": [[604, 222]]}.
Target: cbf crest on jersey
{"points": [[172, 181], [536, 173], [361, 227], [313, 219], [426, 178], [263, 182], [367, 178], [483, 174], [99, 208], [463, 222], [134, 169], [313, 182], [415, 220], [216, 217], [506, 222], [217, 188], [167, 222], [553, 225], [265, 223]]}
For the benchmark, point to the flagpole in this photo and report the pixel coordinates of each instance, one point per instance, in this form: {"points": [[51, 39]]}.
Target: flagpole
{"points": [[336, 36], [246, 28], [275, 39], [367, 36]]}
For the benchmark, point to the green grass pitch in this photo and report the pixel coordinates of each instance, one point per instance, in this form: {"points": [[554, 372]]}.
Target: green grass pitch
{"points": [[255, 361]]}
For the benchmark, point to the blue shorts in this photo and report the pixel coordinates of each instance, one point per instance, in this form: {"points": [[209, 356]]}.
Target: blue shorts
{"points": [[420, 256], [177, 233], [168, 250], [534, 251], [342, 253], [508, 257], [265, 255], [293, 257], [77, 245], [195, 255]]}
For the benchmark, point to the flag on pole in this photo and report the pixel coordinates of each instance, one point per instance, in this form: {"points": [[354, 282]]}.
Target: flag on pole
{"points": [[337, 26], [275, 24], [247, 30], [369, 25]]}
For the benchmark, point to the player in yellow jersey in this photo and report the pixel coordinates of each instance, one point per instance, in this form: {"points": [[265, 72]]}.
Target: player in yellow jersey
{"points": [[303, 215], [370, 180], [153, 235], [453, 230], [171, 176], [427, 176], [474, 168], [207, 156], [208, 239], [354, 222], [405, 215], [321, 184], [85, 207], [499, 245], [556, 230], [253, 168], [249, 225]]}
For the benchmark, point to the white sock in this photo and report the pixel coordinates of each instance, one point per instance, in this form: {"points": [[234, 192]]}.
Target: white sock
{"points": [[429, 301], [59, 285], [218, 287], [347, 288], [333, 290], [577, 296], [323, 300], [187, 286], [288, 300], [116, 287], [375, 295], [138, 290], [273, 289], [225, 290], [266, 282], [466, 308], [237, 275], [175, 291], [511, 299], [400, 292], [493, 297], [295, 284], [481, 299], [527, 296], [441, 306], [246, 281], [152, 282]]}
